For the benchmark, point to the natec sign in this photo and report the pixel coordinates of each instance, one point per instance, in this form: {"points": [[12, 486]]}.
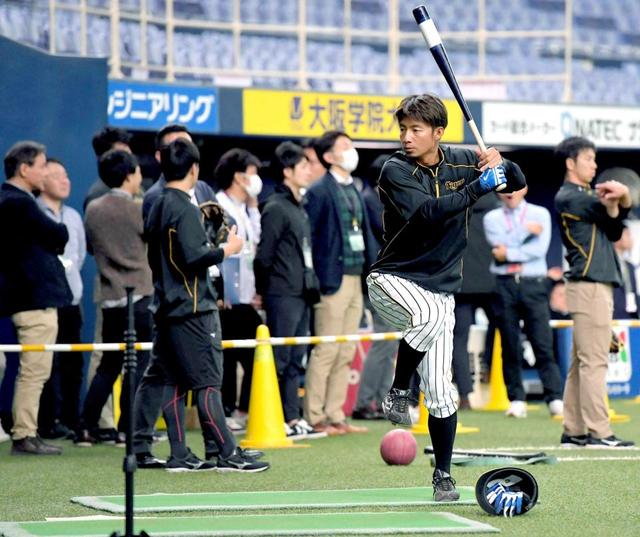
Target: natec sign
{"points": [[548, 125]]}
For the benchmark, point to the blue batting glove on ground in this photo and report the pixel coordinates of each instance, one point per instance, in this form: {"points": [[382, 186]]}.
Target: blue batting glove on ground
{"points": [[492, 178]]}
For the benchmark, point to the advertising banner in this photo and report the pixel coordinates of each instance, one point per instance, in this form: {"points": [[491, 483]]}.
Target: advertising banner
{"points": [[142, 106]]}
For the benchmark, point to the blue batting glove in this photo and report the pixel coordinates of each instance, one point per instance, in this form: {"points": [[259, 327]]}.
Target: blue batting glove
{"points": [[493, 179]]}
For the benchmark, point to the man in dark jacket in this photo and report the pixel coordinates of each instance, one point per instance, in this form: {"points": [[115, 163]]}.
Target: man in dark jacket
{"points": [[343, 250], [187, 348], [282, 257], [105, 140], [201, 193], [591, 220], [427, 190], [32, 285]]}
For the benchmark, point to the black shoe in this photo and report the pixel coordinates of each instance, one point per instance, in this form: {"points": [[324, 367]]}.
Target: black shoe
{"points": [[147, 461], [190, 463], [367, 414], [608, 442], [32, 445], [567, 440], [58, 431], [444, 487], [160, 436], [395, 406], [84, 439], [105, 436], [238, 461], [254, 454]]}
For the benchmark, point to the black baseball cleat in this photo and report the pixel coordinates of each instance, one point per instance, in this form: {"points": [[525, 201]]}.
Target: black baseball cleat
{"points": [[238, 461], [395, 406], [191, 463], [567, 440], [608, 442], [444, 487], [249, 453]]}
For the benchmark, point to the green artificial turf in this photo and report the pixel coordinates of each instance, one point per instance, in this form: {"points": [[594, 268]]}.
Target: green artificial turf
{"points": [[289, 499], [329, 523], [580, 498]]}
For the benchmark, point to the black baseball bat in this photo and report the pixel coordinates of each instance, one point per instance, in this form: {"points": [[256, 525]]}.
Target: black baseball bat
{"points": [[432, 38]]}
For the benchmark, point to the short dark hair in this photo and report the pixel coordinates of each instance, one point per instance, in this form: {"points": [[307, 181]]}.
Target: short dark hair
{"points": [[168, 129], [427, 108], [177, 158], [572, 146], [104, 140], [325, 143], [54, 160], [114, 167], [234, 160], [287, 155], [24, 152]]}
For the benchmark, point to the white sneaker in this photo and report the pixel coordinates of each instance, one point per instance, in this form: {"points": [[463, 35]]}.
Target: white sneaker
{"points": [[556, 408], [4, 437], [517, 409], [301, 429], [240, 418], [233, 425]]}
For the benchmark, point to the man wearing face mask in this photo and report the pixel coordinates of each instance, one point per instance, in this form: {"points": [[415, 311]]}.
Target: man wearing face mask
{"points": [[343, 250], [237, 176]]}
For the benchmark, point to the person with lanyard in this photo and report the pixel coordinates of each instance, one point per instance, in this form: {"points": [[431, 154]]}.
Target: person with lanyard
{"points": [[343, 249], [285, 278], [520, 233], [237, 176]]}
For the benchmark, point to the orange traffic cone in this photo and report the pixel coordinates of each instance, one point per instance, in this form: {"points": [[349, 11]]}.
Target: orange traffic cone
{"points": [[265, 427], [498, 400]]}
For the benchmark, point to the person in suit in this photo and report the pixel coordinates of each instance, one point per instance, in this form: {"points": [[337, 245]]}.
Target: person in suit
{"points": [[33, 285], [343, 249]]}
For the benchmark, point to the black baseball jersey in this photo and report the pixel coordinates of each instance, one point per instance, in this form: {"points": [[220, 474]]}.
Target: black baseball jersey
{"points": [[425, 216], [588, 234], [180, 255]]}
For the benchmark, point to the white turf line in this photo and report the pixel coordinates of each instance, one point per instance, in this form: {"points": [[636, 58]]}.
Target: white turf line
{"points": [[557, 447], [574, 459]]}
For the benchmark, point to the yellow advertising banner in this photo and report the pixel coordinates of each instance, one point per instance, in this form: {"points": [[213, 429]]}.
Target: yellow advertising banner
{"points": [[308, 114]]}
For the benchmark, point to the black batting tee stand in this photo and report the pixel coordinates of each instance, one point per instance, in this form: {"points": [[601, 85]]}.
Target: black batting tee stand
{"points": [[130, 465]]}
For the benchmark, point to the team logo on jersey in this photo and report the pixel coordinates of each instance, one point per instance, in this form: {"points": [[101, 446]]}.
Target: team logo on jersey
{"points": [[454, 185]]}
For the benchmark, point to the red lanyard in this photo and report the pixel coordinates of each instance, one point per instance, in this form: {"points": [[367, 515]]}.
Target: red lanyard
{"points": [[508, 220]]}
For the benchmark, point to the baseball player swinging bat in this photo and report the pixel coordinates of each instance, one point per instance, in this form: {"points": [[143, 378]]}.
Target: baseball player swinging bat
{"points": [[432, 38]]}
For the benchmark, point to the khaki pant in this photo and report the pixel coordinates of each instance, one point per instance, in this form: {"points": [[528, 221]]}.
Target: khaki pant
{"points": [[106, 417], [585, 392], [32, 327], [327, 377]]}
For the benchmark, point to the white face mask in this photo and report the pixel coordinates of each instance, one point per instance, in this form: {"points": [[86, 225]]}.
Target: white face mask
{"points": [[350, 160], [254, 187]]}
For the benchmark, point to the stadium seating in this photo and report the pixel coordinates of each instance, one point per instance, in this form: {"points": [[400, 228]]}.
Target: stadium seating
{"points": [[606, 42]]}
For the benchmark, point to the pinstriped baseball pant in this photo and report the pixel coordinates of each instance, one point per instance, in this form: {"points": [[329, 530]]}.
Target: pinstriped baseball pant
{"points": [[426, 320]]}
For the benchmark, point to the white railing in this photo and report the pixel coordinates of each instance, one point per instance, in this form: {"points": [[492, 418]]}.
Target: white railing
{"points": [[169, 22]]}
